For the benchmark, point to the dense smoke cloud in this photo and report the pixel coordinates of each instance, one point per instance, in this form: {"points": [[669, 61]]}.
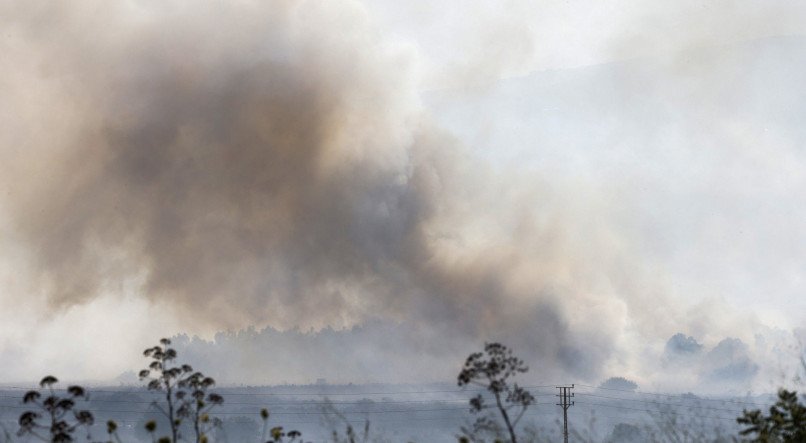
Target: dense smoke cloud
{"points": [[270, 165]]}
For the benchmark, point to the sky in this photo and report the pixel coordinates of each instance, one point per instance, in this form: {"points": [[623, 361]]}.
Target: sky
{"points": [[582, 180]]}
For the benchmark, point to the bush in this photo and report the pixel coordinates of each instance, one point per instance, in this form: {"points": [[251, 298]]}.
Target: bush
{"points": [[785, 423]]}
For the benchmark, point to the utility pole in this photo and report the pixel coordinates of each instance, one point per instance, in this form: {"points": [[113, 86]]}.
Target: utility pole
{"points": [[565, 401]]}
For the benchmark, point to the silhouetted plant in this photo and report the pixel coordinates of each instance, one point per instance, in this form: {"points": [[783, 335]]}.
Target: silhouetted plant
{"points": [[277, 434], [264, 415], [6, 434], [786, 422], [533, 434], [350, 435], [491, 370], [52, 422], [196, 404], [164, 376], [112, 430], [480, 430], [151, 427]]}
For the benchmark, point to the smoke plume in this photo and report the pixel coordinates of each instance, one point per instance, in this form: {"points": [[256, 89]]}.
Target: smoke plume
{"points": [[270, 165]]}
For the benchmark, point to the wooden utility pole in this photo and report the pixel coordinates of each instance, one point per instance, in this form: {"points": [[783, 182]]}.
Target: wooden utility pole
{"points": [[565, 402]]}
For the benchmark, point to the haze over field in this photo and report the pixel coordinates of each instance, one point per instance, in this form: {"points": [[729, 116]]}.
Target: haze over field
{"points": [[612, 190]]}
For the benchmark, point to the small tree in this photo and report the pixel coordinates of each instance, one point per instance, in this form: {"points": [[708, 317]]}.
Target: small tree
{"points": [[164, 376], [491, 370], [786, 422], [58, 426]]}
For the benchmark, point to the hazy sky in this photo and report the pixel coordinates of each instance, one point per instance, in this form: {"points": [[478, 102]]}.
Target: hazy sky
{"points": [[580, 179]]}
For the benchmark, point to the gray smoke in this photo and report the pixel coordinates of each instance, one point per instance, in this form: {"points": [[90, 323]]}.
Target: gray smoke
{"points": [[682, 345], [269, 165], [730, 361]]}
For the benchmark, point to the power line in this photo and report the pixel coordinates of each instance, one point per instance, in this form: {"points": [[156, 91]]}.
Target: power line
{"points": [[659, 403], [287, 403], [143, 391], [379, 421], [96, 399], [320, 394], [383, 411], [654, 411], [681, 396]]}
